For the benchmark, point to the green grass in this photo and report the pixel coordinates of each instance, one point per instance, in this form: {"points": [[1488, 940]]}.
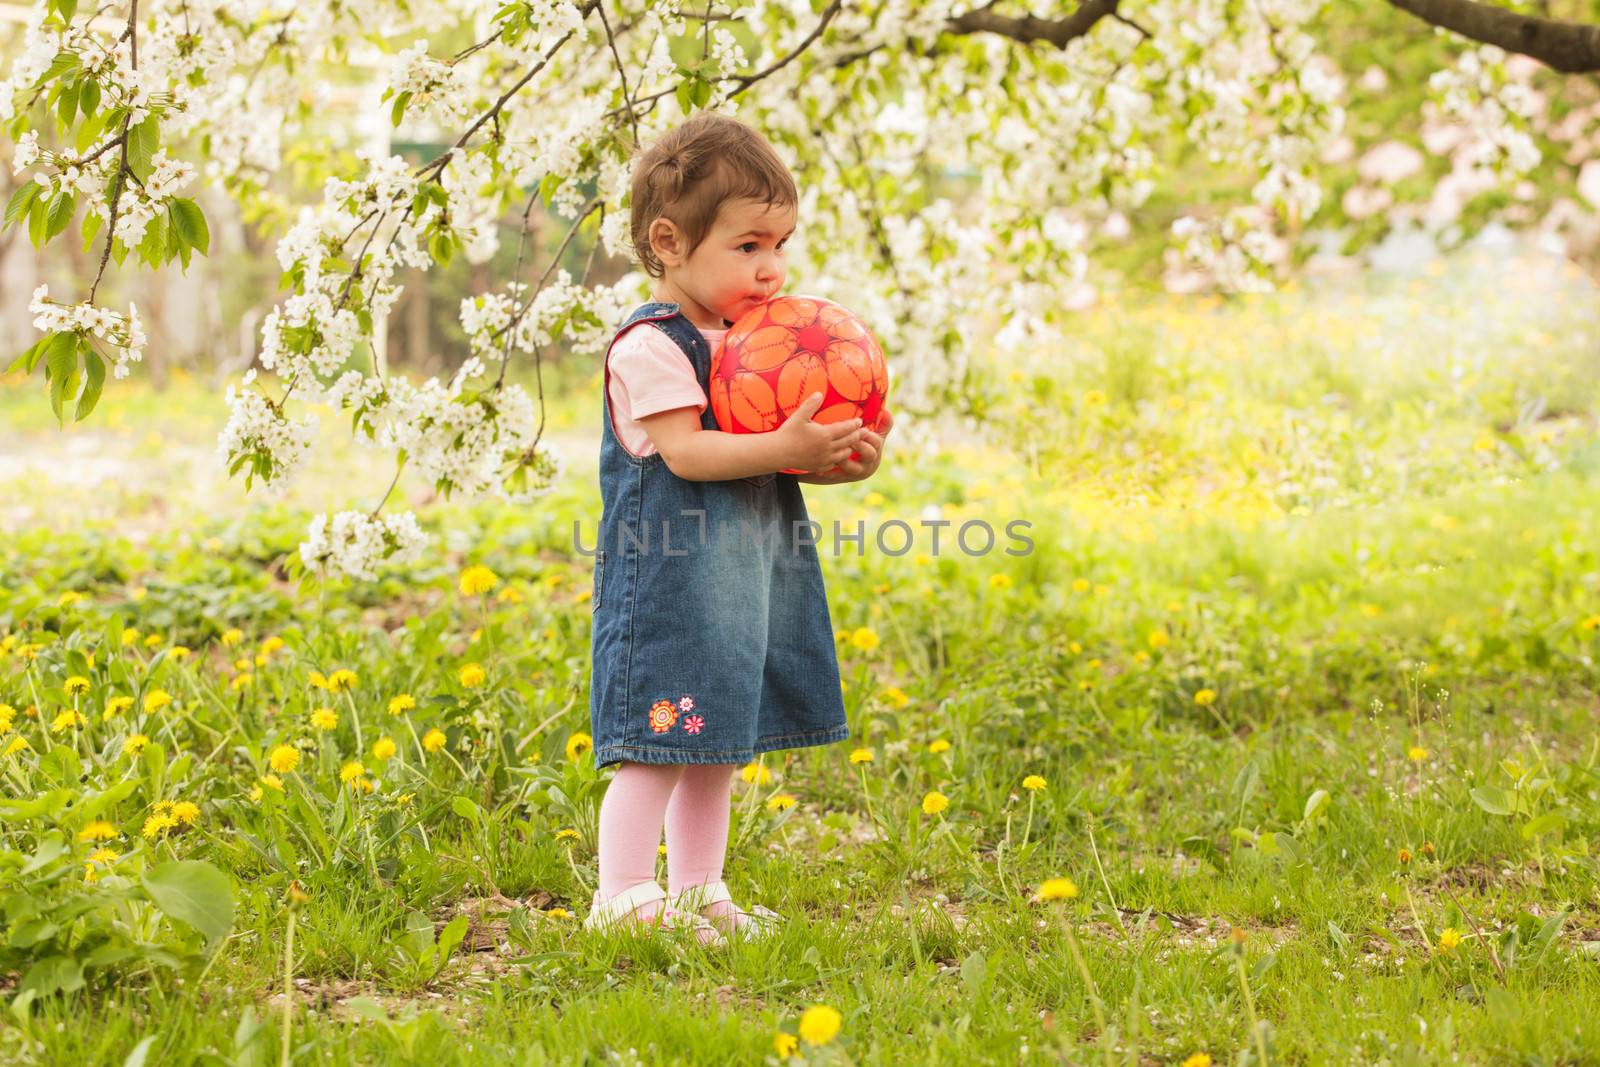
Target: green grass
{"points": [[1337, 630]]}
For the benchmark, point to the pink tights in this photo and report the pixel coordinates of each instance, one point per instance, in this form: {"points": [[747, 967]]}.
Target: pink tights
{"points": [[694, 803]]}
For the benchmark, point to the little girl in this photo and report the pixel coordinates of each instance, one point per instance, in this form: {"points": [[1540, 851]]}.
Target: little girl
{"points": [[711, 642]]}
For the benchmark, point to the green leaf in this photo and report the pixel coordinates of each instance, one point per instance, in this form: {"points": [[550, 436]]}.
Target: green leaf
{"points": [[67, 103], [21, 200], [193, 892], [190, 223], [94, 367], [29, 357], [441, 248], [53, 974], [88, 97], [62, 209], [398, 111], [91, 226], [143, 140], [1548, 823], [65, 62], [468, 809], [60, 367], [140, 1052], [1315, 803], [153, 245], [1492, 799], [36, 222]]}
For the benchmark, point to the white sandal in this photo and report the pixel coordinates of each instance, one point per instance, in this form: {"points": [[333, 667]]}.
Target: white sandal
{"points": [[605, 914], [757, 922]]}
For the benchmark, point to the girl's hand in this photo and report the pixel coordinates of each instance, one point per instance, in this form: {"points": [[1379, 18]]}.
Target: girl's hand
{"points": [[815, 446], [870, 450]]}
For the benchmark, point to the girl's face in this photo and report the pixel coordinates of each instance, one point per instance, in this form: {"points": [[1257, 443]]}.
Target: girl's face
{"points": [[739, 264]]}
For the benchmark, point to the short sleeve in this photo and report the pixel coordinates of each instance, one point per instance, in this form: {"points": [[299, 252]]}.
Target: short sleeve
{"points": [[654, 373]]}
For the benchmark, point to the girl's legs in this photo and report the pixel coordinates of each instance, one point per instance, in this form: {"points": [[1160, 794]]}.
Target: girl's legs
{"points": [[631, 816], [697, 832]]}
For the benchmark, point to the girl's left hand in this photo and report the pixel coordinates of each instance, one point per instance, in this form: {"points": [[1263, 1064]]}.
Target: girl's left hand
{"points": [[870, 449]]}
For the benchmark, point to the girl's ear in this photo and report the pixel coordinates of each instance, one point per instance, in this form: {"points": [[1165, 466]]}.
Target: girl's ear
{"points": [[667, 241]]}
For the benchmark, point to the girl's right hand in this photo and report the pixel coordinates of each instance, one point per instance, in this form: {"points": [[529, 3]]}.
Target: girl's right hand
{"points": [[817, 446]]}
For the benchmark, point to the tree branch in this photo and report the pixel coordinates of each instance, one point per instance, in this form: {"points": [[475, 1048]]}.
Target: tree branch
{"points": [[1029, 29], [1568, 47]]}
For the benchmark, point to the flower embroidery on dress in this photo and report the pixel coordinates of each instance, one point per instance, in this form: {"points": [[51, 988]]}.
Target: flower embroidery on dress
{"points": [[662, 716], [686, 703], [693, 724]]}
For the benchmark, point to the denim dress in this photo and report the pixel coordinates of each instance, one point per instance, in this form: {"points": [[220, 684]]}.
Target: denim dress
{"points": [[711, 635]]}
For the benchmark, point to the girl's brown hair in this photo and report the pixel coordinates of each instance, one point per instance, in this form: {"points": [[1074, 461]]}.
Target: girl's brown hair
{"points": [[689, 173]]}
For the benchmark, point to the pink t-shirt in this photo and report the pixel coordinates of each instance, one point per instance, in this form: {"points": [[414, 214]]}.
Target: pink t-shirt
{"points": [[649, 375]]}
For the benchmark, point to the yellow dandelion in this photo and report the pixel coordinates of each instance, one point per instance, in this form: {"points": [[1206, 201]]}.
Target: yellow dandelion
{"points": [[67, 719], [1205, 697], [76, 685], [401, 704], [756, 773], [938, 746], [896, 696], [478, 579], [559, 913], [242, 681], [261, 659], [1591, 624], [129, 636], [283, 759], [7, 714], [861, 755], [324, 719], [104, 855], [366, 785], [1094, 398], [578, 744], [153, 641], [317, 679], [433, 740], [865, 638], [785, 1045], [1033, 783], [1080, 586], [156, 699], [1196, 1059], [231, 637], [471, 676], [272, 781], [1449, 938], [935, 802], [780, 802], [509, 595], [255, 794], [567, 834], [1057, 889], [271, 645], [1416, 753], [97, 830], [384, 748], [157, 824], [68, 598], [819, 1024], [999, 581], [342, 681], [18, 744], [351, 771], [135, 744], [1404, 857], [1158, 639], [186, 812]]}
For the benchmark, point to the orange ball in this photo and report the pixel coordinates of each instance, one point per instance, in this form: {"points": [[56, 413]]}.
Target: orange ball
{"points": [[785, 350]]}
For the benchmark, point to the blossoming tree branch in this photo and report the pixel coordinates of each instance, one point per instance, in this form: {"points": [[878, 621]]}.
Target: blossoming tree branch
{"points": [[116, 113]]}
